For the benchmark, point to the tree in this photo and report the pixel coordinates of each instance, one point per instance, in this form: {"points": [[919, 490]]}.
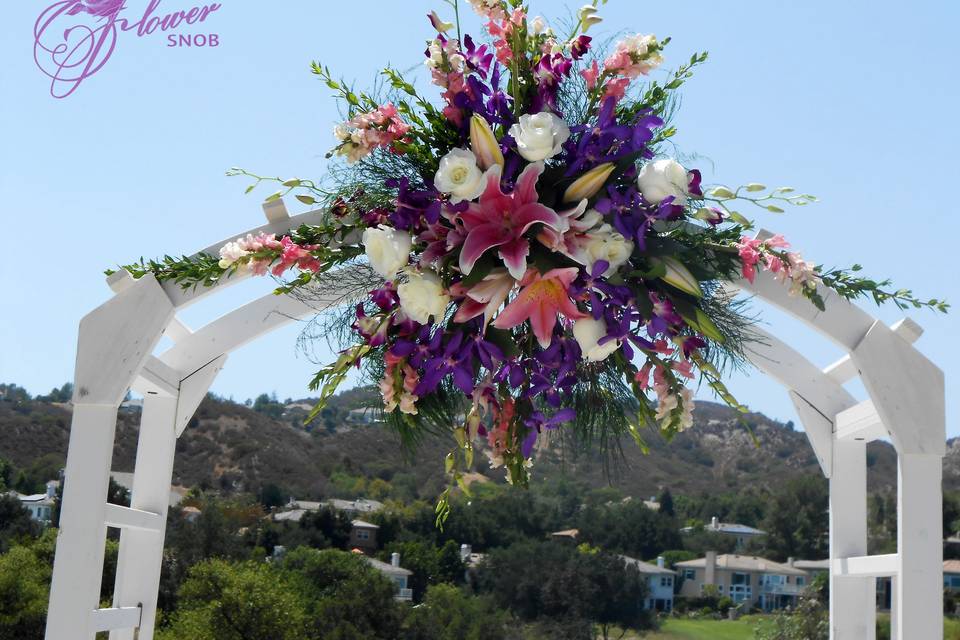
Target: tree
{"points": [[447, 613], [797, 520], [542, 581], [347, 598], [24, 588], [15, 522], [238, 601], [629, 528], [666, 503]]}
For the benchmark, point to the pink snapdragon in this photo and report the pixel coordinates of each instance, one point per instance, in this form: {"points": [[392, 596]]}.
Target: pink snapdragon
{"points": [[590, 75], [295, 254], [634, 56], [489, 9], [408, 380], [365, 132], [793, 267]]}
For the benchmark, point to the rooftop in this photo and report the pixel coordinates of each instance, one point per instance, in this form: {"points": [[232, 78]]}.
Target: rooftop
{"points": [[813, 565], [386, 567], [361, 524], [361, 505], [744, 563], [646, 567], [566, 533], [951, 566]]}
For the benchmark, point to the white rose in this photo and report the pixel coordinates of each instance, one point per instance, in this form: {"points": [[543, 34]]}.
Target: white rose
{"points": [[588, 333], [607, 244], [539, 136], [423, 296], [387, 249], [663, 178], [459, 175]]}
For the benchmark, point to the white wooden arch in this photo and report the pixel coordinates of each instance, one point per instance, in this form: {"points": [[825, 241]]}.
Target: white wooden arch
{"points": [[115, 352]]}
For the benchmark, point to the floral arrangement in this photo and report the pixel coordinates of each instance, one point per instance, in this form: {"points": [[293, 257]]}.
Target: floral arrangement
{"points": [[534, 260]]}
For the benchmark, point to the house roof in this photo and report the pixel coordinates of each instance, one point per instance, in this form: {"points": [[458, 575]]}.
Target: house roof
{"points": [[305, 504], [729, 528], [566, 533], [951, 566], [361, 524], [386, 567], [744, 563], [361, 505], [646, 567], [294, 515], [813, 565], [36, 498]]}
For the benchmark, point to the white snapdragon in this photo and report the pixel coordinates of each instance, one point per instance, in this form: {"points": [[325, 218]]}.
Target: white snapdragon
{"points": [[588, 333], [539, 136], [230, 253], [387, 249], [661, 179], [538, 25], [423, 296], [459, 175]]}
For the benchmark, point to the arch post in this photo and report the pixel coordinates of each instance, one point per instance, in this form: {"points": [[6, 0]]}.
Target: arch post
{"points": [[111, 351]]}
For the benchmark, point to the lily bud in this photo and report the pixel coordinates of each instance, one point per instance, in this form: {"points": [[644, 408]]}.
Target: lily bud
{"points": [[589, 183], [679, 276], [484, 143]]}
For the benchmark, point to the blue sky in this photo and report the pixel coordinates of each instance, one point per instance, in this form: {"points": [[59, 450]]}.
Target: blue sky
{"points": [[854, 102]]}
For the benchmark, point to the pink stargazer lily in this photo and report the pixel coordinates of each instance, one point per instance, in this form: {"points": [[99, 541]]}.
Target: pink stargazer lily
{"points": [[500, 220], [540, 300]]}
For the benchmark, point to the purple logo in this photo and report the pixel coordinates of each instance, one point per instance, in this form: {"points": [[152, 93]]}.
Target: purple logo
{"points": [[73, 39]]}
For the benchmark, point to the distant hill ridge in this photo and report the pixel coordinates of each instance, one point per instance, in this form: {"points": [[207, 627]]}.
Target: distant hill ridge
{"points": [[231, 447]]}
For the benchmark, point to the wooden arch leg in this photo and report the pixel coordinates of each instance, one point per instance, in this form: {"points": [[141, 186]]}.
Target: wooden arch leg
{"points": [[110, 353], [140, 560]]}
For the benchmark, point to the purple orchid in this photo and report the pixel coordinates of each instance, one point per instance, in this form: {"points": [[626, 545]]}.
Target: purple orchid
{"points": [[416, 208], [609, 140]]}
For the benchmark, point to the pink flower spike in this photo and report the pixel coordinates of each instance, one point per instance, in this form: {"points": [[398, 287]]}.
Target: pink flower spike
{"points": [[776, 242], [500, 220], [540, 300], [590, 75]]}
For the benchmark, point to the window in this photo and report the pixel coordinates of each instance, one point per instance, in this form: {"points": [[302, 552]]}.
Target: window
{"points": [[689, 574], [740, 578], [801, 581], [363, 534], [666, 581]]}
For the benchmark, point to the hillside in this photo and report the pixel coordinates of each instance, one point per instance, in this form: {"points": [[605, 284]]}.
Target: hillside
{"points": [[231, 447]]}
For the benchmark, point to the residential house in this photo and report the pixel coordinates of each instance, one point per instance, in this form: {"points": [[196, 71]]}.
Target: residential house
{"points": [[951, 575], [812, 567], [40, 505], [750, 580], [395, 572], [363, 536], [660, 580], [741, 532]]}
